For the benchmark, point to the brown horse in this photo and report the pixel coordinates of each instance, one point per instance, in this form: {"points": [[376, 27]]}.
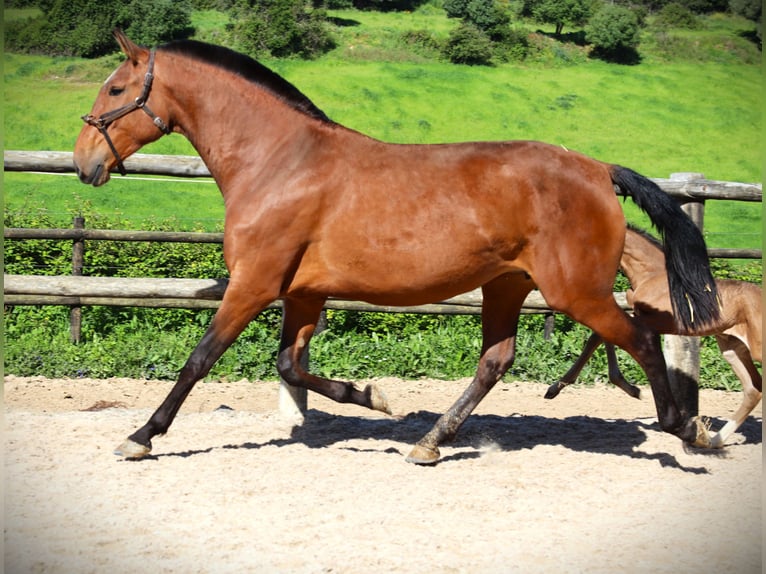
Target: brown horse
{"points": [[738, 330], [314, 210]]}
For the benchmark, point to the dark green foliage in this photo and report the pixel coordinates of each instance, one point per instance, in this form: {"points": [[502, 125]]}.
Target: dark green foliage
{"points": [[155, 22], [484, 33], [675, 15], [487, 15], [456, 8], [614, 33], [750, 9], [422, 42], [280, 28], [467, 44], [705, 6], [560, 13], [84, 27]]}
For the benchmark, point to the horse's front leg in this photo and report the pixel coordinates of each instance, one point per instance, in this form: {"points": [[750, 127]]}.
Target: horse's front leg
{"points": [[237, 309], [298, 325], [503, 298]]}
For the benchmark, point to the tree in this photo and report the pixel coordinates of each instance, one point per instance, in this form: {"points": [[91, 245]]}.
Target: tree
{"points": [[84, 27], [156, 22], [561, 12], [613, 31]]}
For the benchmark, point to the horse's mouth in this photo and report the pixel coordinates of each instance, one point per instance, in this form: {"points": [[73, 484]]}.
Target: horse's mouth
{"points": [[96, 178]]}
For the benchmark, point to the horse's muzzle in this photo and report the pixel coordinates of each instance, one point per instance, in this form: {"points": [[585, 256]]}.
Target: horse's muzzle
{"points": [[98, 176]]}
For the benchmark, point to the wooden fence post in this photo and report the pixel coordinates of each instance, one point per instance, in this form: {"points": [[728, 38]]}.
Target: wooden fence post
{"points": [[293, 401], [78, 256], [682, 354]]}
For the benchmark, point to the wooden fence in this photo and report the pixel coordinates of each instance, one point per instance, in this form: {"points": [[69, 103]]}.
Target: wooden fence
{"points": [[690, 189]]}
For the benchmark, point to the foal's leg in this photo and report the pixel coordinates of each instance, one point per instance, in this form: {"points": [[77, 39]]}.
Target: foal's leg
{"points": [[629, 333], [503, 298], [738, 356], [615, 375], [237, 310], [300, 319], [571, 375]]}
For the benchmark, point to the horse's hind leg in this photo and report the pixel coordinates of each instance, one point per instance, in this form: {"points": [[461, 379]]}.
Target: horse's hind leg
{"points": [[299, 323], [503, 298], [237, 309], [737, 355]]}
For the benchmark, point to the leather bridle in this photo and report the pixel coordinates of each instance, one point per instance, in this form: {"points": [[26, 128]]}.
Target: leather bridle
{"points": [[102, 122]]}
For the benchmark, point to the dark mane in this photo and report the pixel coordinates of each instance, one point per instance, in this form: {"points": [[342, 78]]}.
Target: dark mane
{"points": [[249, 69], [646, 235]]}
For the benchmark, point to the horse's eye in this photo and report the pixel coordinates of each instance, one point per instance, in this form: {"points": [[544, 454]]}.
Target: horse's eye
{"points": [[115, 91]]}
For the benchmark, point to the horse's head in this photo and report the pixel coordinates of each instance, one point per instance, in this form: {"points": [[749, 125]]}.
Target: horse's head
{"points": [[122, 119]]}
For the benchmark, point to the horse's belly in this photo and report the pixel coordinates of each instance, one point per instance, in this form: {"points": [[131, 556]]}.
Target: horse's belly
{"points": [[398, 279]]}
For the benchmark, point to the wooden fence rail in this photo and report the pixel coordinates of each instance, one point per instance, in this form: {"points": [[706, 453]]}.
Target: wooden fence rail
{"points": [[202, 294], [692, 190], [697, 188]]}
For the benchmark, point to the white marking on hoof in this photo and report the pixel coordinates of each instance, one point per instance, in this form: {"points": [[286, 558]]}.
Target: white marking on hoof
{"points": [[378, 400], [131, 449]]}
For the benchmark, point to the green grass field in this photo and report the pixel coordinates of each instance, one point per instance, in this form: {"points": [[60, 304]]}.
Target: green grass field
{"points": [[657, 117]]}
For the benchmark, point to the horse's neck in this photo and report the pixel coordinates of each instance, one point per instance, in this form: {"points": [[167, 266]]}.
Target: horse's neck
{"points": [[641, 259], [222, 115]]}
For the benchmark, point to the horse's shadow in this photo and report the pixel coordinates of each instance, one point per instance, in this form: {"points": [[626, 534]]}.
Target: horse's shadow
{"points": [[512, 433]]}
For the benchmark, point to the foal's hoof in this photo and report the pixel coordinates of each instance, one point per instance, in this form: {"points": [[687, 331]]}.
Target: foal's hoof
{"points": [[553, 391], [423, 455], [131, 449], [716, 441], [702, 439], [378, 400]]}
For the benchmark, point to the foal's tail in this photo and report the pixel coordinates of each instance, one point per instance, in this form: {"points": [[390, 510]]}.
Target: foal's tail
{"points": [[693, 292]]}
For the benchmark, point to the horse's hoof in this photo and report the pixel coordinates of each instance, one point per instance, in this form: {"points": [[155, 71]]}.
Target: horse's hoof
{"points": [[423, 455], [378, 400], [131, 449]]}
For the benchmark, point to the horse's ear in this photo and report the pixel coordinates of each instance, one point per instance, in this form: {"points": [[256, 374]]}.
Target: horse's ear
{"points": [[132, 50]]}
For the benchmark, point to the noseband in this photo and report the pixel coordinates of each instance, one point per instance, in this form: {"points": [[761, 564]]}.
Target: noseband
{"points": [[102, 122]]}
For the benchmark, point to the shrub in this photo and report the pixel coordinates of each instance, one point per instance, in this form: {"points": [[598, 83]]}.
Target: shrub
{"points": [[468, 45], [487, 15], [84, 27], [614, 33], [422, 42], [511, 45], [674, 15], [156, 22], [456, 8], [280, 28]]}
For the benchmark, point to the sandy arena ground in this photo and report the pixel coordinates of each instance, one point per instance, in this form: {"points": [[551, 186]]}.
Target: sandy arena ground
{"points": [[583, 483]]}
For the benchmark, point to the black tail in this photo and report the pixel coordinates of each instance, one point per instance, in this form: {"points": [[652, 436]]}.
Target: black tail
{"points": [[693, 293]]}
